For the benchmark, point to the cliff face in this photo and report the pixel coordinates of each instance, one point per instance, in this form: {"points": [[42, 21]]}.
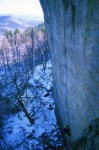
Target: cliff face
{"points": [[73, 35]]}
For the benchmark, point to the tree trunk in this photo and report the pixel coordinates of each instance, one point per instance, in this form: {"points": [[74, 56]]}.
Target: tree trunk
{"points": [[25, 111]]}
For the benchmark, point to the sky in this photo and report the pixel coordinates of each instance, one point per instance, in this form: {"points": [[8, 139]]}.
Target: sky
{"points": [[21, 7]]}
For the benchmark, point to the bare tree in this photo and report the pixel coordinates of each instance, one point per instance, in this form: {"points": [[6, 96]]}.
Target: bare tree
{"points": [[17, 49], [19, 94], [5, 55], [3, 61], [30, 34]]}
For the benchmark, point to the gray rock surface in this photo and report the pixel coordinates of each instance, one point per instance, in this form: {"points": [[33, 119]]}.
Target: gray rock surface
{"points": [[90, 137], [73, 36]]}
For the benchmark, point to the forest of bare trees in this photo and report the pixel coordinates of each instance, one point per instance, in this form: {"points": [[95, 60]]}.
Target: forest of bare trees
{"points": [[20, 52], [29, 46]]}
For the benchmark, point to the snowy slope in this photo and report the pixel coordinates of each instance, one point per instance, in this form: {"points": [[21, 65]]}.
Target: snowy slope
{"points": [[18, 134]]}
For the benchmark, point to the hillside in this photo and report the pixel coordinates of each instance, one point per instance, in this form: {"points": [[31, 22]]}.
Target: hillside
{"points": [[12, 22], [45, 132]]}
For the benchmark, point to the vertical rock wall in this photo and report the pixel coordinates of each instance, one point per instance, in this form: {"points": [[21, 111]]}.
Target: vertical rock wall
{"points": [[73, 35]]}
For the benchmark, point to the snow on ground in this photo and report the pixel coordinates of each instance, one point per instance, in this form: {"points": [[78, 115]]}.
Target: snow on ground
{"points": [[18, 134]]}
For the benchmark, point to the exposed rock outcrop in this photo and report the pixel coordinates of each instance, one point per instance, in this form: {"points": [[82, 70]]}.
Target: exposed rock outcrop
{"points": [[90, 137], [73, 35]]}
